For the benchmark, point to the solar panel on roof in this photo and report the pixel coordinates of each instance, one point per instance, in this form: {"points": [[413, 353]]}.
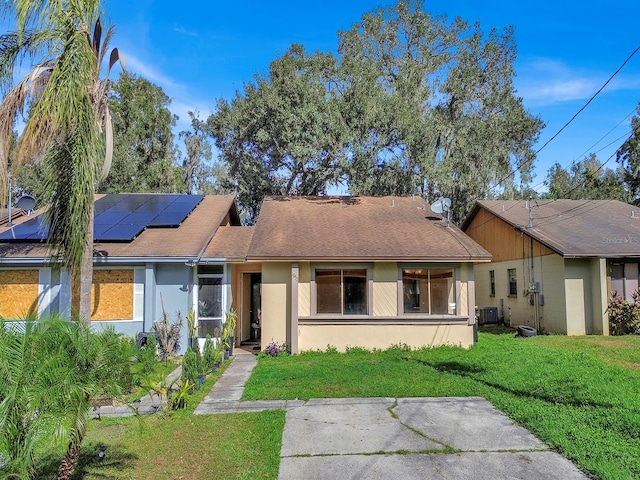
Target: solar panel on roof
{"points": [[119, 217], [33, 229], [120, 233]]}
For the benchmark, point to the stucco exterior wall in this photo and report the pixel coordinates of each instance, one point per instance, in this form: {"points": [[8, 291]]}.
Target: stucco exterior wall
{"points": [[600, 296], [276, 302], [174, 290], [579, 290], [341, 336], [385, 289], [304, 290], [517, 309]]}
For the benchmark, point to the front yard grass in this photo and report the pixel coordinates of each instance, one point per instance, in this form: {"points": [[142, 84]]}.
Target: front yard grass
{"points": [[579, 395]]}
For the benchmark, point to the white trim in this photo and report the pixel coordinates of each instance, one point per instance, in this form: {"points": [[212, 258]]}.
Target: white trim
{"points": [[44, 292], [138, 294]]}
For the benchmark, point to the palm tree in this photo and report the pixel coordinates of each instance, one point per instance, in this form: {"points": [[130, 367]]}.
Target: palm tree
{"points": [[68, 126], [49, 373]]}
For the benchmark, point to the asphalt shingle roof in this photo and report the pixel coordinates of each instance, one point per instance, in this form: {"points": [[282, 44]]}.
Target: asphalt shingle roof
{"points": [[357, 228], [573, 228]]}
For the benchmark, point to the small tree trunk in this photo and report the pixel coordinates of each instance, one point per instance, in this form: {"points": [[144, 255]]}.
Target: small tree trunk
{"points": [[69, 462], [86, 274]]}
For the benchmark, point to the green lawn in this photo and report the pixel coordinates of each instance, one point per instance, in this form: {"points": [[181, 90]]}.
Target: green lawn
{"points": [[579, 395], [179, 445]]}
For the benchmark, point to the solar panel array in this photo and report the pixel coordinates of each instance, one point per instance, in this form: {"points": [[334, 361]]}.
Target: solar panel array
{"points": [[118, 217]]}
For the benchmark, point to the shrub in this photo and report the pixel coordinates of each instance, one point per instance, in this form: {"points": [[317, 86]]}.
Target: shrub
{"points": [[624, 316], [275, 349], [147, 355], [209, 353], [190, 367], [168, 333]]}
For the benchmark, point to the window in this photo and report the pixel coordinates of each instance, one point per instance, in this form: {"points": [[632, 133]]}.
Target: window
{"points": [[513, 282], [342, 291], [429, 291], [209, 299], [492, 282]]}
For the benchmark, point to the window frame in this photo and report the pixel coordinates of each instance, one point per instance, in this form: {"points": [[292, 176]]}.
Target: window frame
{"points": [[456, 290], [342, 267], [202, 322], [512, 282], [492, 283]]}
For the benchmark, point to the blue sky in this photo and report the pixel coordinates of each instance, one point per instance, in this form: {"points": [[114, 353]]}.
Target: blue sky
{"points": [[201, 51]]}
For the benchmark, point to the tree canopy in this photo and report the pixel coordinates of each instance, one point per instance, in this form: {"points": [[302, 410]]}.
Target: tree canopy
{"points": [[628, 157], [413, 104], [587, 179], [143, 141]]}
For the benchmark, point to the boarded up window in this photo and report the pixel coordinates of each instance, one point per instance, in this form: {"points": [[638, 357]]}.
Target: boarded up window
{"points": [[18, 294], [112, 295]]}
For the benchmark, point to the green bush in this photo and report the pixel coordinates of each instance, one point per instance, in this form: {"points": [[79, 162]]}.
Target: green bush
{"points": [[209, 353], [190, 367], [624, 316]]}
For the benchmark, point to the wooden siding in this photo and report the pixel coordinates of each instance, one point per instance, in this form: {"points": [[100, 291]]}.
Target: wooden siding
{"points": [[112, 295], [501, 239], [19, 294]]}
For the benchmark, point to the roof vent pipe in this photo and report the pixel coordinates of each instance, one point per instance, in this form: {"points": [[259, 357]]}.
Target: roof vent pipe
{"points": [[633, 214], [393, 203]]}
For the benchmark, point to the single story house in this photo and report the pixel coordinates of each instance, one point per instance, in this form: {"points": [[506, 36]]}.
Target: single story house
{"points": [[313, 272], [146, 253], [362, 271], [555, 263]]}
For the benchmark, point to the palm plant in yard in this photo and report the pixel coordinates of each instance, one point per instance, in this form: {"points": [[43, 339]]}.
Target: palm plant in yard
{"points": [[68, 127], [48, 377]]}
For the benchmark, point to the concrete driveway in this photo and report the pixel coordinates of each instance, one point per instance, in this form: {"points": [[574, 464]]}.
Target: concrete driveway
{"points": [[412, 438]]}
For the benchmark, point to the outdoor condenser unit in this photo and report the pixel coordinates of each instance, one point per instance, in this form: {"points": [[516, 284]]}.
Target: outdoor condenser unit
{"points": [[488, 315]]}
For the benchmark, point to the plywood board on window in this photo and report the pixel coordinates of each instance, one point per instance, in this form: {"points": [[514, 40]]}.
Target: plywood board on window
{"points": [[112, 295], [18, 294]]}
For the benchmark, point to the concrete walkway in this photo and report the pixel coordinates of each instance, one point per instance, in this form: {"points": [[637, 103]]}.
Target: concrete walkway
{"points": [[363, 438], [147, 404]]}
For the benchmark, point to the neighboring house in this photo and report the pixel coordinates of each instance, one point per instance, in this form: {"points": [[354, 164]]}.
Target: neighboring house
{"points": [[313, 272], [362, 271], [146, 250], [555, 262]]}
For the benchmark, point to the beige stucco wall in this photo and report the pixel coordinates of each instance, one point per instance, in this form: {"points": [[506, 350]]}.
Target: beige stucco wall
{"points": [[276, 302], [599, 296], [548, 271], [385, 289], [341, 336], [304, 290], [586, 301]]}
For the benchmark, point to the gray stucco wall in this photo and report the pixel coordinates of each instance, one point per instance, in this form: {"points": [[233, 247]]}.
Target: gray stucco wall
{"points": [[173, 292]]}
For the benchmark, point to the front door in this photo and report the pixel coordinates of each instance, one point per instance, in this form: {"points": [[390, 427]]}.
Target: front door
{"points": [[251, 307]]}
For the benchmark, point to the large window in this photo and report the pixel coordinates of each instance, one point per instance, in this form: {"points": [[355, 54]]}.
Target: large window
{"points": [[209, 300], [429, 291], [513, 282], [342, 291]]}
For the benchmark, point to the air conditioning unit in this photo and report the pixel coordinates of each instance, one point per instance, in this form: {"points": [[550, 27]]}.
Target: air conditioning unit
{"points": [[488, 315]]}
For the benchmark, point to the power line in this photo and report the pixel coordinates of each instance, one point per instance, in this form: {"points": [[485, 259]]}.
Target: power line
{"points": [[523, 162]]}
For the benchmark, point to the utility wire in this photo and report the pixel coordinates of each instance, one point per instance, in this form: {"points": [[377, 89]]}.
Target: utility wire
{"points": [[523, 162]]}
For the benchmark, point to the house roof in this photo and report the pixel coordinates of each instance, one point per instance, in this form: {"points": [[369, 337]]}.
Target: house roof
{"points": [[230, 243], [572, 228], [186, 241], [357, 228]]}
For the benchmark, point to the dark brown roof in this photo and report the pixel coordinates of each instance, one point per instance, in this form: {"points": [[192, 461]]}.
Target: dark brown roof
{"points": [[573, 228], [229, 243], [186, 241], [357, 228]]}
